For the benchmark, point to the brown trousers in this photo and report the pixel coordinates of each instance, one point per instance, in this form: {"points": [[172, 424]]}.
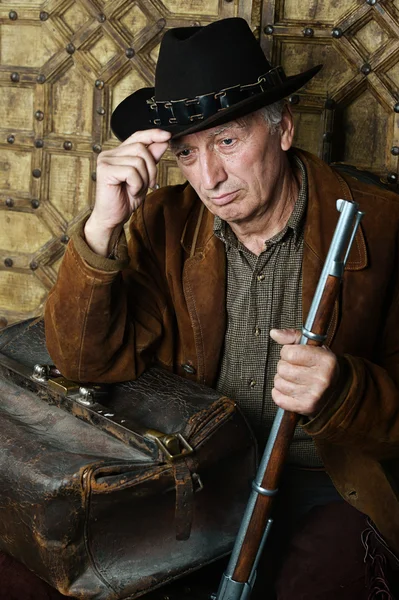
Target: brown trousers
{"points": [[325, 557], [333, 554]]}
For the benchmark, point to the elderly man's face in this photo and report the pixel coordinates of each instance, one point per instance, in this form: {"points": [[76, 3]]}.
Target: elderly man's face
{"points": [[236, 169]]}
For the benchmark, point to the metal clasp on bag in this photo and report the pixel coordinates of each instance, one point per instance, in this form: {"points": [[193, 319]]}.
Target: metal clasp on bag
{"points": [[172, 445], [43, 373], [89, 395], [85, 395]]}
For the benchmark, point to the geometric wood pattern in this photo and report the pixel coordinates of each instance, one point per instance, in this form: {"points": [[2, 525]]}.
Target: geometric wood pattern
{"points": [[66, 64], [349, 112]]}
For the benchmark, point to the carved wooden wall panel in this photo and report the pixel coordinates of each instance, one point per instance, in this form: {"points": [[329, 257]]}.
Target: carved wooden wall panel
{"points": [[65, 64], [349, 112]]}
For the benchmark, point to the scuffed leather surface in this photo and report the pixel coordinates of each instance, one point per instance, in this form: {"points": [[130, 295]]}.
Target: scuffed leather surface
{"points": [[96, 517], [25, 342], [157, 400], [179, 398], [19, 583]]}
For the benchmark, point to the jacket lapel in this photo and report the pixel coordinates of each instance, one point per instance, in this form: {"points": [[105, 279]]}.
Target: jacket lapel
{"points": [[325, 187]]}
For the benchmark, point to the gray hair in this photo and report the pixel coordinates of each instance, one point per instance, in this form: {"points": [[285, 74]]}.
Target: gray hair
{"points": [[272, 114]]}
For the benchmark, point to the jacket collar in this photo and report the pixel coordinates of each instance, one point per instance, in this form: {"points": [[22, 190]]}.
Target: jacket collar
{"points": [[325, 186]]}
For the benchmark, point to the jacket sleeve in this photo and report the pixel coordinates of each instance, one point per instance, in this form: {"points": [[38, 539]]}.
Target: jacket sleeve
{"points": [[105, 319], [367, 415]]}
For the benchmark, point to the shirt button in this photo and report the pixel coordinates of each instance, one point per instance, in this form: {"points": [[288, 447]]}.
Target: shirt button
{"points": [[257, 331], [188, 368], [260, 277], [252, 383]]}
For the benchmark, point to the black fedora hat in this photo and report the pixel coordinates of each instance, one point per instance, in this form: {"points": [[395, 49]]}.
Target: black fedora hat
{"points": [[205, 76]]}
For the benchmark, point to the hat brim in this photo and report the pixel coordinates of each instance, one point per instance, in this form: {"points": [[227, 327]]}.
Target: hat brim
{"points": [[132, 114]]}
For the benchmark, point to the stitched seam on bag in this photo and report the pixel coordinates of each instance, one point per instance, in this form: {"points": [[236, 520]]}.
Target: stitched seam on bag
{"points": [[86, 535], [200, 419], [201, 437], [140, 479]]}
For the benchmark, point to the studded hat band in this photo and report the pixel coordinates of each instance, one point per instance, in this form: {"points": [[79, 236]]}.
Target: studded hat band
{"points": [[189, 110]]}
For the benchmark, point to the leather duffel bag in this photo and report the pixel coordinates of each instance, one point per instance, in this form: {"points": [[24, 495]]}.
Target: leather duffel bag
{"points": [[108, 493]]}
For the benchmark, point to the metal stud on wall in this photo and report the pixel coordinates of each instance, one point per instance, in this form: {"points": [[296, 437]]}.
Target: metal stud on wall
{"points": [[67, 66], [350, 101]]}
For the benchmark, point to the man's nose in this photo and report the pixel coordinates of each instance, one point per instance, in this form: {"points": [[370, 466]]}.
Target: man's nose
{"points": [[212, 171]]}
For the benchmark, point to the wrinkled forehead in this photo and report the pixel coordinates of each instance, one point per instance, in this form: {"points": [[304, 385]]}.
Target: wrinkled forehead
{"points": [[209, 134]]}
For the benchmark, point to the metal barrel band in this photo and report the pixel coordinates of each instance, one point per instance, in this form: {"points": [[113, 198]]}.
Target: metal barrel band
{"points": [[313, 336], [263, 491]]}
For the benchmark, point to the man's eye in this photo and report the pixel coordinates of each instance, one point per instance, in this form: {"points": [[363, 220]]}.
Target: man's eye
{"points": [[183, 153], [227, 141]]}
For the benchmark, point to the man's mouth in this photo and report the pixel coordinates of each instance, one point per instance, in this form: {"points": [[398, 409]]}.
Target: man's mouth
{"points": [[223, 199]]}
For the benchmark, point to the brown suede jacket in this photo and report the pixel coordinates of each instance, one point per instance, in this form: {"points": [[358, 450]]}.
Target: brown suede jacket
{"points": [[105, 322]]}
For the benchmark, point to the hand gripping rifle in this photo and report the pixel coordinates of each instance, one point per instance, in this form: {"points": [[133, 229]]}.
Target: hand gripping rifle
{"points": [[238, 580]]}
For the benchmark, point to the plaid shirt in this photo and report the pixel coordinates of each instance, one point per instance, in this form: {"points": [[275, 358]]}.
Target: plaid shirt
{"points": [[263, 292]]}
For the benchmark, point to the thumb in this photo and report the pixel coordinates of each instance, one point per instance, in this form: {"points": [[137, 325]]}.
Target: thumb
{"points": [[285, 336]]}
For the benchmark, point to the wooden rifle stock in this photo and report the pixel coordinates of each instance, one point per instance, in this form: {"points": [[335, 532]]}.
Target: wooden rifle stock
{"points": [[238, 580]]}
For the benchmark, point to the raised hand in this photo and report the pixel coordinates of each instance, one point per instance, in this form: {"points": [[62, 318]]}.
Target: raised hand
{"points": [[124, 175]]}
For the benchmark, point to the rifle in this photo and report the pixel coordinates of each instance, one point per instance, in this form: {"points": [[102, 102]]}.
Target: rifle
{"points": [[238, 580]]}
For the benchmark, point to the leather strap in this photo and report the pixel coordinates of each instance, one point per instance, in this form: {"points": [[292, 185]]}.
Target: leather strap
{"points": [[184, 510]]}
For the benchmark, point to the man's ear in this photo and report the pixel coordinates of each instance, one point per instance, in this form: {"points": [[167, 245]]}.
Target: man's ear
{"points": [[287, 128]]}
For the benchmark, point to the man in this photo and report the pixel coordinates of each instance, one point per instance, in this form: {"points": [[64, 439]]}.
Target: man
{"points": [[220, 274]]}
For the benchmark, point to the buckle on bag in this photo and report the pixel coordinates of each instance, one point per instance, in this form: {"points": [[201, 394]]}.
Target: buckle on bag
{"points": [[172, 445]]}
